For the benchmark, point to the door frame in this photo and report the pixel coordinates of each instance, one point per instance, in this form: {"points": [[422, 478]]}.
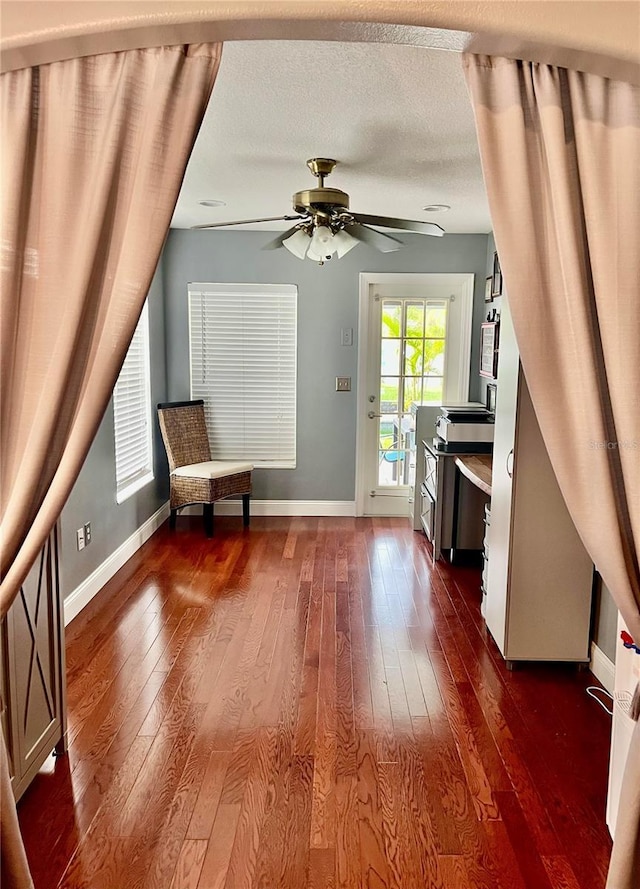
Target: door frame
{"points": [[464, 282]]}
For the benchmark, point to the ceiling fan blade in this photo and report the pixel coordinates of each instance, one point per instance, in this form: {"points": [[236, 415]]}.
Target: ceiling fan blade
{"points": [[277, 242], [383, 243], [246, 221], [410, 225]]}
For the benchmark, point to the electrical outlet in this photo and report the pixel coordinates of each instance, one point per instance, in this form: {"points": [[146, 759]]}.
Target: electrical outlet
{"points": [[87, 534], [80, 538], [343, 384]]}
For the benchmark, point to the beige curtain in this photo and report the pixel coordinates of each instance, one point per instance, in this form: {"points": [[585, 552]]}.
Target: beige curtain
{"points": [[561, 158], [94, 151]]}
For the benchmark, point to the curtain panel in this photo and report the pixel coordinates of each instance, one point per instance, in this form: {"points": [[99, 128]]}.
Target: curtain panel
{"points": [[94, 152], [560, 153]]}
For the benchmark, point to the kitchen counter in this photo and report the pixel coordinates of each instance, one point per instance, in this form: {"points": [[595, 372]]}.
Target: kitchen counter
{"points": [[477, 469]]}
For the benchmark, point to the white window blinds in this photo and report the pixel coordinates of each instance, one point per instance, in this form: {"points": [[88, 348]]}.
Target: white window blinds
{"points": [[243, 364], [132, 415]]}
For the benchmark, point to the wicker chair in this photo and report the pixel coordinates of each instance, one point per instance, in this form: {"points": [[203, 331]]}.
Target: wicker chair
{"points": [[194, 476]]}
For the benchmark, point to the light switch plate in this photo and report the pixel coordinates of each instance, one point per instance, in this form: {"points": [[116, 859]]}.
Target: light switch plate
{"points": [[343, 384], [80, 538], [346, 336]]}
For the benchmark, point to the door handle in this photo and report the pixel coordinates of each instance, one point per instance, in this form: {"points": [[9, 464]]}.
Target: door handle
{"points": [[372, 415], [510, 471]]}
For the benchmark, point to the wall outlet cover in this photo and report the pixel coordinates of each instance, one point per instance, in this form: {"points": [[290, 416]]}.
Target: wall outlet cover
{"points": [[87, 534], [346, 336]]}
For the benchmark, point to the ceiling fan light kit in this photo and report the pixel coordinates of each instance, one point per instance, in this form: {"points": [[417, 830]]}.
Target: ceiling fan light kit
{"points": [[326, 226], [298, 243], [344, 242]]}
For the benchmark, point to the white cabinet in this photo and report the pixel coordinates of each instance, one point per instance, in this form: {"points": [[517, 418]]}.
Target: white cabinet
{"points": [[426, 416], [32, 680], [538, 602], [627, 677]]}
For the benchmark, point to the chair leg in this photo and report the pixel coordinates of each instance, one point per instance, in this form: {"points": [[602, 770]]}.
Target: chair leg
{"points": [[172, 519], [245, 509], [207, 514]]}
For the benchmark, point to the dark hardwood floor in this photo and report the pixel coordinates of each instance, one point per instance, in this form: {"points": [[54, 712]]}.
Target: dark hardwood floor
{"points": [[306, 705]]}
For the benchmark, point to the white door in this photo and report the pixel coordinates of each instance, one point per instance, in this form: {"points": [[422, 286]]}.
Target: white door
{"points": [[415, 341]]}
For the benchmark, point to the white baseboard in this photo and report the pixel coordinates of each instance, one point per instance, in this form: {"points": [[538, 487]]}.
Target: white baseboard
{"points": [[281, 508], [83, 594], [602, 668]]}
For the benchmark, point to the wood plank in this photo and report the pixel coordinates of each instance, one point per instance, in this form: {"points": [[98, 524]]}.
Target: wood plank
{"points": [[374, 865], [216, 861], [189, 867], [210, 791]]}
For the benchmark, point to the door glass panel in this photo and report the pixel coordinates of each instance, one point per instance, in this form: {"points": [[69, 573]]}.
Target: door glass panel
{"points": [[388, 450], [389, 394], [436, 321], [392, 468], [391, 317], [390, 357], [388, 426], [414, 320], [434, 358], [413, 357], [412, 393]]}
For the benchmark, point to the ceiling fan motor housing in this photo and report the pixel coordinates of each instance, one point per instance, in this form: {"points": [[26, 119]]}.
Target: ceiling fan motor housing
{"points": [[327, 199]]}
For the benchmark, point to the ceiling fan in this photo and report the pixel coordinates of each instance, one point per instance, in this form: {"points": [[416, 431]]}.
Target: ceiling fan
{"points": [[325, 226]]}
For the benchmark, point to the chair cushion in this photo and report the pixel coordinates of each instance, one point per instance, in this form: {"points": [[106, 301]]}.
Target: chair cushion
{"points": [[212, 469]]}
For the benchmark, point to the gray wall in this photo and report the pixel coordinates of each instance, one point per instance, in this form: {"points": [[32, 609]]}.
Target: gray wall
{"points": [[327, 301], [93, 498]]}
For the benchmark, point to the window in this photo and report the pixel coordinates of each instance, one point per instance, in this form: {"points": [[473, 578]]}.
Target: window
{"points": [[243, 364], [132, 415]]}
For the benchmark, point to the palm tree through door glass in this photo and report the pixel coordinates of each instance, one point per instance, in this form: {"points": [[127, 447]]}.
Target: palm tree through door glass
{"points": [[412, 367]]}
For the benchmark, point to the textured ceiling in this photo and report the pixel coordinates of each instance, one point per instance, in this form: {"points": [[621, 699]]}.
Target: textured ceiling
{"points": [[397, 118]]}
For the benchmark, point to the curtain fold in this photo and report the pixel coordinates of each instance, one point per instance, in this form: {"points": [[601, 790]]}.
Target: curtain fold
{"points": [[93, 158], [561, 159]]}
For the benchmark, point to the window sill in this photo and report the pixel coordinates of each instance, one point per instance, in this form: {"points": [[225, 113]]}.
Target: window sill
{"points": [[133, 487]]}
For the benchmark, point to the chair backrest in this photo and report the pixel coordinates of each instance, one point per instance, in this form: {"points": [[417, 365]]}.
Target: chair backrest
{"points": [[184, 432]]}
